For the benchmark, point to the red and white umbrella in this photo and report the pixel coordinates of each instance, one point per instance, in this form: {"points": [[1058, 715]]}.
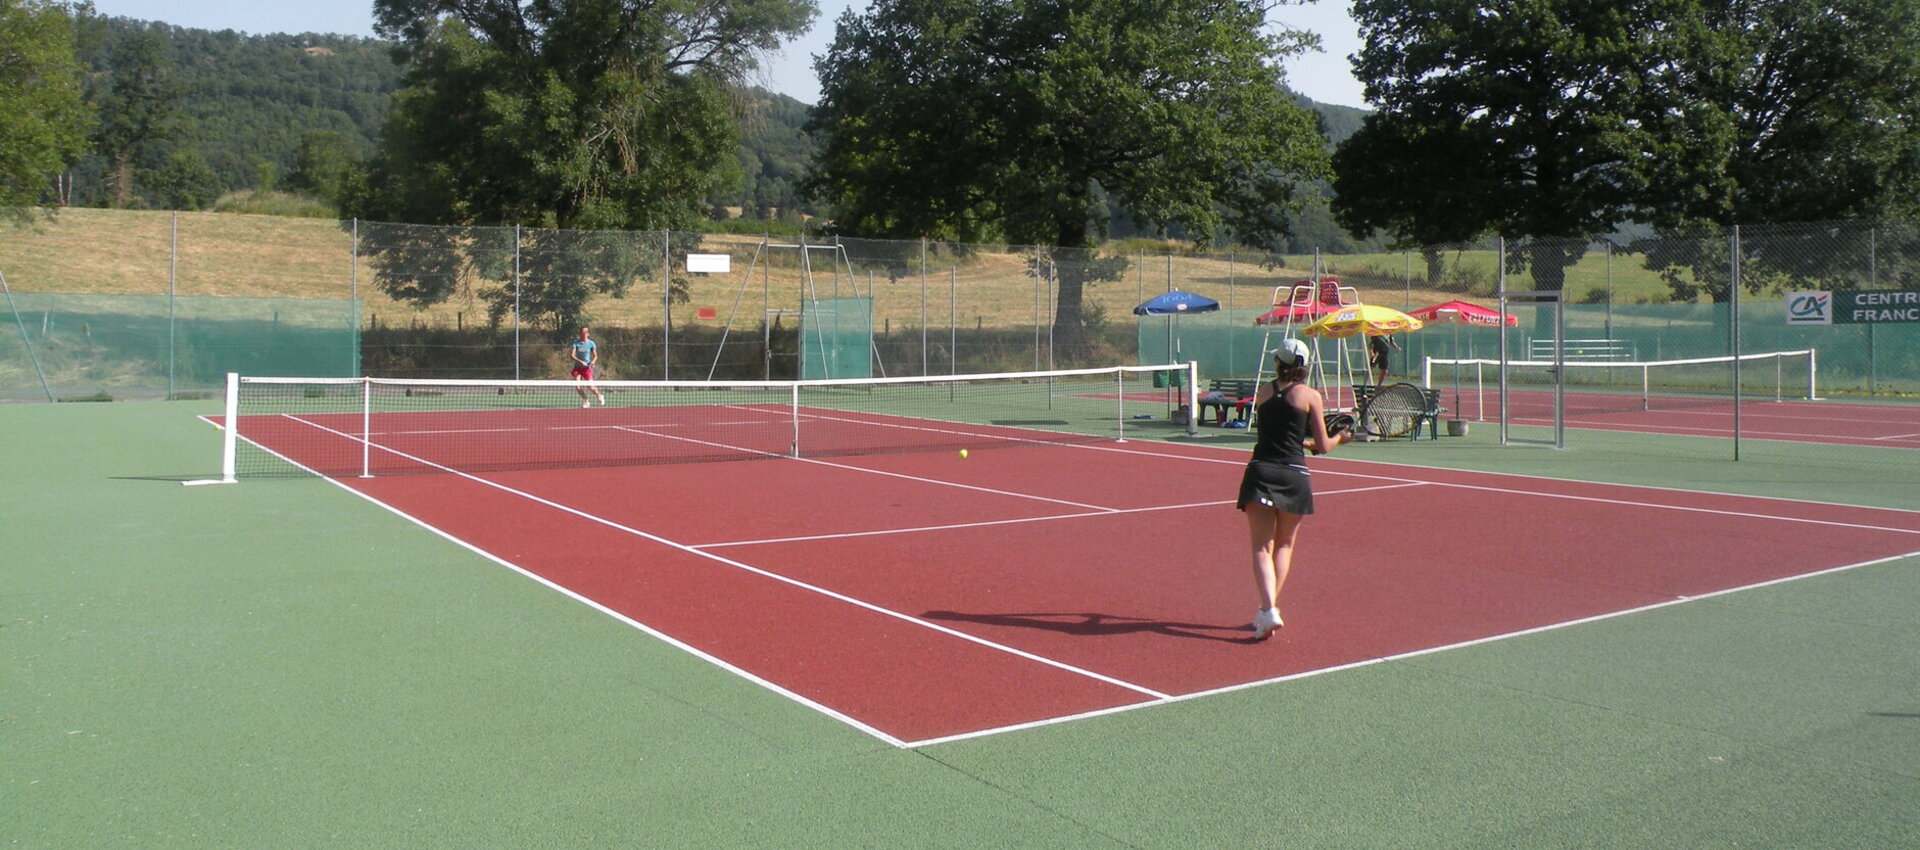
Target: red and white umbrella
{"points": [[1464, 313]]}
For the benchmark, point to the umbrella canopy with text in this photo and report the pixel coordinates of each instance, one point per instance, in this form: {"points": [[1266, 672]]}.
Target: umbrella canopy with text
{"points": [[1176, 303], [1356, 319], [1464, 313]]}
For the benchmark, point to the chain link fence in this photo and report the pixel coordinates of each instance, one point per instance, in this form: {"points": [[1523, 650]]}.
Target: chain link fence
{"points": [[145, 305]]}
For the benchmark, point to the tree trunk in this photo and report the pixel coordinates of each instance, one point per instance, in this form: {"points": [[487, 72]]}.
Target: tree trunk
{"points": [[120, 181]]}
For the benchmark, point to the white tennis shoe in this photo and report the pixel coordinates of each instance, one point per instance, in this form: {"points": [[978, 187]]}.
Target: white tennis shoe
{"points": [[1265, 621], [586, 404]]}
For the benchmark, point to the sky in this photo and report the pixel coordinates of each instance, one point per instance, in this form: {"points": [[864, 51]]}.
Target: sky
{"points": [[1325, 77]]}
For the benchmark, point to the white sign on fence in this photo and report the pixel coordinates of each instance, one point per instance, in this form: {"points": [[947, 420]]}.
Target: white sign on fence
{"points": [[712, 263]]}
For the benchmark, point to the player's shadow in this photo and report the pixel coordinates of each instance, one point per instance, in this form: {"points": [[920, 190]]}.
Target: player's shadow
{"points": [[1090, 624]]}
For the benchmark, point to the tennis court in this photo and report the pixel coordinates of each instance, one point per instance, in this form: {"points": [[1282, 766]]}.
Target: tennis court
{"points": [[1486, 646], [921, 596]]}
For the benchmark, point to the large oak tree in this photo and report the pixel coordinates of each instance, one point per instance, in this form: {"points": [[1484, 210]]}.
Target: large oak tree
{"points": [[1554, 121], [990, 120], [579, 115]]}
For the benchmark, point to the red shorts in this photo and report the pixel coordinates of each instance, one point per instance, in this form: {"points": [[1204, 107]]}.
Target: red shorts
{"points": [[583, 372]]}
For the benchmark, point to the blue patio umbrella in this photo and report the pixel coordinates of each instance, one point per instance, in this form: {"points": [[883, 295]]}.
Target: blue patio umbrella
{"points": [[1175, 303]]}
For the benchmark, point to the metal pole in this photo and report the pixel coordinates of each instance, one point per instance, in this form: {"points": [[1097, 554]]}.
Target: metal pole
{"points": [[1500, 295], [173, 269], [1733, 308], [1609, 290], [25, 339], [353, 302], [516, 302], [953, 320], [923, 307], [666, 304], [1559, 367]]}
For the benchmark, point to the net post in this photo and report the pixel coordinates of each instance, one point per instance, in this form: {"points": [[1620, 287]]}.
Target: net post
{"points": [[793, 394], [366, 428], [1193, 398], [229, 442], [1120, 405], [1813, 371]]}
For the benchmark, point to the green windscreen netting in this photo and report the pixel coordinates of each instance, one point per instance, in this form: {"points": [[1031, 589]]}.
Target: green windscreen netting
{"points": [[74, 346], [1224, 342], [836, 338]]}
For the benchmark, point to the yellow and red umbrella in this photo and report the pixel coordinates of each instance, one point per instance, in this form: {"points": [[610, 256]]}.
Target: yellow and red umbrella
{"points": [[1357, 319]]}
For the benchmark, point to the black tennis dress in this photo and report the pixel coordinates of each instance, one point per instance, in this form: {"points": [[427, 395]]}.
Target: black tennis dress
{"points": [[1277, 475]]}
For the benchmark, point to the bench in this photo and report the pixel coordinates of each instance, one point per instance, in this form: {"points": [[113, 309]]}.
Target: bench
{"points": [[1225, 394], [1582, 349], [1427, 413]]}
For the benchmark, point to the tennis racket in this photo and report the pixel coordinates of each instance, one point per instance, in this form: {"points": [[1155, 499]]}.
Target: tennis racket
{"points": [[1394, 410], [1337, 422]]}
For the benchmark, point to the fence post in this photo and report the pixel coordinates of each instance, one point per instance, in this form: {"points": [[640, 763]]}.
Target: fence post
{"points": [[353, 301], [1733, 330], [666, 304], [173, 275], [516, 302]]}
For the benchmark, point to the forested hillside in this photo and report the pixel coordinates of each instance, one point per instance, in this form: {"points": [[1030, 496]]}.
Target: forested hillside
{"points": [[227, 111], [220, 112]]}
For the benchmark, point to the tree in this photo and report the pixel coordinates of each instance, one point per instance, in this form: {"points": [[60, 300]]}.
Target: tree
{"points": [[979, 120], [1517, 118], [43, 118], [589, 115], [1555, 121], [183, 181], [138, 106], [1795, 113], [324, 166]]}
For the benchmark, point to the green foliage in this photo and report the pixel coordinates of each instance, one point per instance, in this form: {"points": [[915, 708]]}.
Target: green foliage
{"points": [[42, 116], [606, 116], [975, 121], [1555, 121], [1815, 112], [137, 104], [239, 100], [183, 182], [1519, 119]]}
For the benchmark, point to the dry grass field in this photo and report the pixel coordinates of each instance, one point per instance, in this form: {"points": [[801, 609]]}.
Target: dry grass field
{"points": [[152, 252]]}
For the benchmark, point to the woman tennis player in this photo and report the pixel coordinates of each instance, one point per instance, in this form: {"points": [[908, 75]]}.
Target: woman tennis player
{"points": [[585, 355], [1276, 492]]}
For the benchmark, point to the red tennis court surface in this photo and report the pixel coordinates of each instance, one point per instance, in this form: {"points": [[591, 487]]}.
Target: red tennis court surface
{"points": [[922, 597], [1851, 424]]}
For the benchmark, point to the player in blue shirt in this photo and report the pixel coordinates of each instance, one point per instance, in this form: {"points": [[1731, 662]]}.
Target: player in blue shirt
{"points": [[585, 356]]}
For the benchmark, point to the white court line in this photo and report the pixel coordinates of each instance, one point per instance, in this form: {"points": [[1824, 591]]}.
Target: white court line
{"points": [[831, 465], [860, 603], [1722, 431], [585, 600], [1404, 655], [1016, 521], [1659, 506], [1158, 698]]}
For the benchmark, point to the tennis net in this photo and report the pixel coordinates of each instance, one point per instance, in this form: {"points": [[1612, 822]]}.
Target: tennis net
{"points": [[1472, 387], [364, 427]]}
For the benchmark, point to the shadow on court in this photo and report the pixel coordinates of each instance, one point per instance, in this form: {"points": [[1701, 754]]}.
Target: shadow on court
{"points": [[1099, 625]]}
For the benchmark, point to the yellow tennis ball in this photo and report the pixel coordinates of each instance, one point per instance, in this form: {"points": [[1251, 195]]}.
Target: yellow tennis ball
{"points": [[963, 454]]}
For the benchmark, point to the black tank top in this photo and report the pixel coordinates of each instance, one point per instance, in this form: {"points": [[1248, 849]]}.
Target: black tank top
{"points": [[1282, 429]]}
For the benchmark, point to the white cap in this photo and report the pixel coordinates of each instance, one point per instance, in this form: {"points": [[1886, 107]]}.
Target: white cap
{"points": [[1292, 352]]}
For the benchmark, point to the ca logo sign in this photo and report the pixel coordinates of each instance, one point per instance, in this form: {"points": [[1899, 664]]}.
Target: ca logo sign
{"points": [[1809, 308]]}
